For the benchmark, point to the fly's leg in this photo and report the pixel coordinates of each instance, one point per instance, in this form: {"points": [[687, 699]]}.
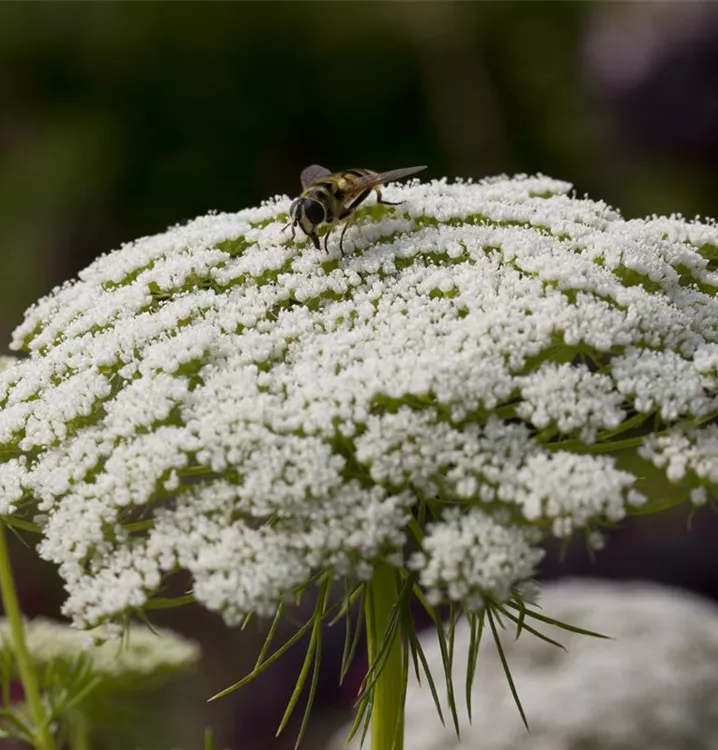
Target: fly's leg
{"points": [[356, 202], [326, 238], [379, 199], [349, 221], [349, 214]]}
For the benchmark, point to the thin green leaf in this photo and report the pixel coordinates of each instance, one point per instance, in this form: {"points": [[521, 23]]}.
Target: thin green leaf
{"points": [[698, 421], [349, 648], [359, 718], [452, 631], [351, 654], [417, 649], [307, 584], [505, 665], [81, 671], [209, 739], [265, 665], [562, 625], [246, 620], [476, 629], [521, 605], [347, 645], [270, 635], [414, 658], [367, 718], [60, 687], [398, 739], [13, 522], [148, 624], [309, 657], [407, 628], [376, 667], [445, 660], [448, 674], [347, 602], [134, 526], [169, 603], [416, 529], [629, 424], [368, 708], [312, 685], [490, 604], [299, 685], [671, 500], [19, 537], [533, 631], [83, 693]]}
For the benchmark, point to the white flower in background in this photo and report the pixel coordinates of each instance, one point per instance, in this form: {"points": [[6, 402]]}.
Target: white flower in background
{"points": [[654, 686], [220, 399], [140, 656]]}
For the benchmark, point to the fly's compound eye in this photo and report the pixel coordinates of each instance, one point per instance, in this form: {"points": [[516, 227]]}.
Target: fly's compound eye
{"points": [[314, 211]]}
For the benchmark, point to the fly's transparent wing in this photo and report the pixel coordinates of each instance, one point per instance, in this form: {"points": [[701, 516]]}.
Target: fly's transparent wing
{"points": [[380, 178], [312, 173]]}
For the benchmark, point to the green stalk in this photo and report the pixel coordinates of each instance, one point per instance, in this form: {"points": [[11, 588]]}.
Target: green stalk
{"points": [[80, 731], [43, 739], [387, 717]]}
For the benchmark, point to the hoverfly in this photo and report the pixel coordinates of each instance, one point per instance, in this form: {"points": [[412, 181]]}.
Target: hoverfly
{"points": [[328, 197]]}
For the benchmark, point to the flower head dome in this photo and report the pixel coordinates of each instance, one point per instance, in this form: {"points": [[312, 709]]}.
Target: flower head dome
{"points": [[487, 364]]}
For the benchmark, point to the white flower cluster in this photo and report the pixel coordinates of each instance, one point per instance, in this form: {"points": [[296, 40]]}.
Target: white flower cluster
{"points": [[221, 399], [685, 450], [142, 654], [654, 685], [473, 555]]}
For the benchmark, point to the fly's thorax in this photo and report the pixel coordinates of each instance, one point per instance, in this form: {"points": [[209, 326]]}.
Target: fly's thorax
{"points": [[343, 186]]}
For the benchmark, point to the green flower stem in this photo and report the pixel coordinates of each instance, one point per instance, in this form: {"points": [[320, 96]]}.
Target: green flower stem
{"points": [[43, 737], [80, 729], [387, 719]]}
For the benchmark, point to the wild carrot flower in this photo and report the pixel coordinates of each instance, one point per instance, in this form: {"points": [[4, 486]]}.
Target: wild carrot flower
{"points": [[489, 364], [144, 656]]}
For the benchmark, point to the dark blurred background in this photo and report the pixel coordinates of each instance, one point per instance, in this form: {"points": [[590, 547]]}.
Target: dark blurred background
{"points": [[117, 120]]}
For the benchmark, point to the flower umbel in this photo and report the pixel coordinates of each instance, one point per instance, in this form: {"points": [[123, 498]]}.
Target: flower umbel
{"points": [[87, 687], [488, 364], [143, 656]]}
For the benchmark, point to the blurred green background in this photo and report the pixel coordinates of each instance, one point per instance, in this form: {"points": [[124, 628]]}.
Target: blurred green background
{"points": [[117, 120]]}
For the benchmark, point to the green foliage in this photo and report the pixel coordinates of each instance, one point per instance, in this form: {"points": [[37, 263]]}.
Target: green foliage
{"points": [[87, 690]]}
